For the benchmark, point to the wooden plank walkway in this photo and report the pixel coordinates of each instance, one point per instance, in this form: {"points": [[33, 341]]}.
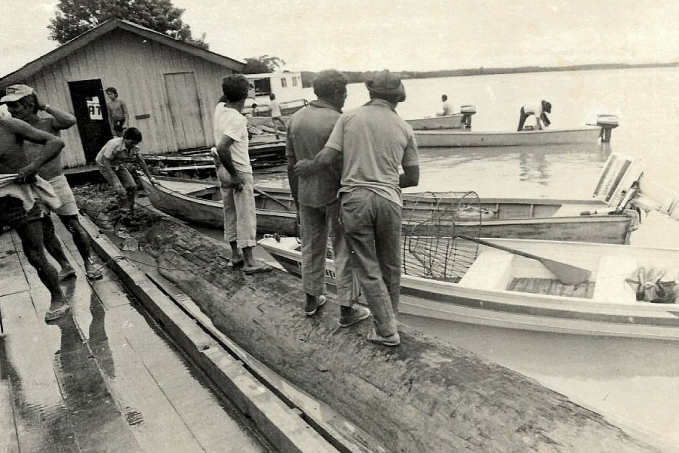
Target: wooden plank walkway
{"points": [[104, 378]]}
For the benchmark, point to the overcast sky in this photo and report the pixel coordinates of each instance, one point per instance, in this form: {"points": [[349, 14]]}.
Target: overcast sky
{"points": [[400, 34]]}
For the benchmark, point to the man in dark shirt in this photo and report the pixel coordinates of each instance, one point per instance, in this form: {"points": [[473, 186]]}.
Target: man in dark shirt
{"points": [[316, 199]]}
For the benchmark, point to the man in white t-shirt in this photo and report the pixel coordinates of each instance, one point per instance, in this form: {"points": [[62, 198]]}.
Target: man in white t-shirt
{"points": [[534, 116], [235, 174]]}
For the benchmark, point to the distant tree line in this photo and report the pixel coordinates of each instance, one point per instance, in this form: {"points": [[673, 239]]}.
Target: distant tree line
{"points": [[359, 77]]}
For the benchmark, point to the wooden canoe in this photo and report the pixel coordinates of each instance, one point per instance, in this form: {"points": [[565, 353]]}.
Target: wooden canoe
{"points": [[466, 138], [200, 203], [506, 290]]}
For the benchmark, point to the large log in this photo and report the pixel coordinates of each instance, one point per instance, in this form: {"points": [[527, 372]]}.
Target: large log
{"points": [[423, 396]]}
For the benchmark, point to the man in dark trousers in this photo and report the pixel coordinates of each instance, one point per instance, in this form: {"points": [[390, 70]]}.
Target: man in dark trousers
{"points": [[373, 141], [18, 208], [316, 198]]}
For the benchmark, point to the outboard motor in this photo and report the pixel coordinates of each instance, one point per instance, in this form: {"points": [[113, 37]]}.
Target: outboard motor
{"points": [[467, 111], [607, 123]]}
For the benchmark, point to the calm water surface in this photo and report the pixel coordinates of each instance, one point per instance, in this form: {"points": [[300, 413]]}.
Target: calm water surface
{"points": [[633, 383]]}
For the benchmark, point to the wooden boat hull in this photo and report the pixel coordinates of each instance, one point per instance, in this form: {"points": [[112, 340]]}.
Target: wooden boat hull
{"points": [[196, 209], [605, 306], [455, 138], [199, 203], [438, 122]]}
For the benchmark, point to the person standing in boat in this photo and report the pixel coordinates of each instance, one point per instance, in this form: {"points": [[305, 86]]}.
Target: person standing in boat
{"points": [[537, 113], [276, 114], [373, 142], [315, 196], [446, 107], [24, 105], [234, 173], [18, 208]]}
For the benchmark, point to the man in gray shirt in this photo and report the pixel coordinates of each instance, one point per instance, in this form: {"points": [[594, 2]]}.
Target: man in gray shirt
{"points": [[316, 198]]}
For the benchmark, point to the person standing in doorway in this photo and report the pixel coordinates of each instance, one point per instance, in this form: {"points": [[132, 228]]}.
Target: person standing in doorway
{"points": [[276, 115], [234, 173], [316, 198], [18, 208], [373, 142], [117, 112], [23, 104]]}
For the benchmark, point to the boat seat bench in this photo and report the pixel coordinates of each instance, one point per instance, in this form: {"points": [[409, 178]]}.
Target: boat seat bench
{"points": [[492, 269], [610, 279]]}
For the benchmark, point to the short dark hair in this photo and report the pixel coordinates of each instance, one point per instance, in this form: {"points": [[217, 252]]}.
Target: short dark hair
{"points": [[235, 87], [132, 133], [328, 82], [112, 90], [444, 97]]}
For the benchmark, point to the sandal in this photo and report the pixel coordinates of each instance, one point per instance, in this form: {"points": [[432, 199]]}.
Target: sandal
{"points": [[95, 274], [68, 274], [257, 269], [53, 315], [391, 340], [236, 263]]}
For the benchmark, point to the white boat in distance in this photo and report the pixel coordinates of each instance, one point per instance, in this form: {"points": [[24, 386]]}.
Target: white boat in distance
{"points": [[462, 120], [466, 139]]}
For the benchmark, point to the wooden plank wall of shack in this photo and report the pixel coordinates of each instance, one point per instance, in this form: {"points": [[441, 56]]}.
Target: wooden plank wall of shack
{"points": [[136, 67], [423, 396]]}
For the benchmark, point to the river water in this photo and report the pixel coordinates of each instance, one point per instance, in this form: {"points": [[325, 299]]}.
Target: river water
{"points": [[635, 384]]}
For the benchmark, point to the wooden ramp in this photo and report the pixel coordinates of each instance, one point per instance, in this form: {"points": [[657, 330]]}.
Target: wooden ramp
{"points": [[104, 378]]}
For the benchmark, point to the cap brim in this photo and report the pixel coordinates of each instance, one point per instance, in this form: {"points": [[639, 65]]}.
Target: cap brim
{"points": [[10, 98]]}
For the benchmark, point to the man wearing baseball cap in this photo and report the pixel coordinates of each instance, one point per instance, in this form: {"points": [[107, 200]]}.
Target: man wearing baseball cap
{"points": [[23, 104], [373, 141]]}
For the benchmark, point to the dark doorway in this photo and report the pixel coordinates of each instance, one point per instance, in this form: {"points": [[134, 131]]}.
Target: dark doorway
{"points": [[89, 107]]}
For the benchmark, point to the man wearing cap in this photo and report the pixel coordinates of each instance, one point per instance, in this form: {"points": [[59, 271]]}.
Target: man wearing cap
{"points": [[18, 208], [372, 142], [24, 105], [537, 114], [316, 198]]}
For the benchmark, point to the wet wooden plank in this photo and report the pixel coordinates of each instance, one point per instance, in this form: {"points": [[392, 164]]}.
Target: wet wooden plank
{"points": [[211, 422], [9, 443], [13, 280], [43, 423]]}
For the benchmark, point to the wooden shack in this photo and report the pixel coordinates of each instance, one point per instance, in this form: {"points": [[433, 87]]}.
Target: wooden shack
{"points": [[170, 88]]}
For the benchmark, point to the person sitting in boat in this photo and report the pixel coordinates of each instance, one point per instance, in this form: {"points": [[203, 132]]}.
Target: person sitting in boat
{"points": [[537, 113], [446, 107]]}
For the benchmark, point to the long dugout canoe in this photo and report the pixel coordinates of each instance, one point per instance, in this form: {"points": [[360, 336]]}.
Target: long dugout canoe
{"points": [[199, 203]]}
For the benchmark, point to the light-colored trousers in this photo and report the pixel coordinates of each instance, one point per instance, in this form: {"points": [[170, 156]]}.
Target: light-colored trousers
{"points": [[317, 224], [240, 221]]}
